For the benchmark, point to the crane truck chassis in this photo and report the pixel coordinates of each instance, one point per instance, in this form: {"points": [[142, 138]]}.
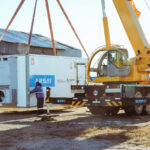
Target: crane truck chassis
{"points": [[108, 99]]}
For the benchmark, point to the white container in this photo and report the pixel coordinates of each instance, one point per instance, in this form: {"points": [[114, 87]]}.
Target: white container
{"points": [[18, 74]]}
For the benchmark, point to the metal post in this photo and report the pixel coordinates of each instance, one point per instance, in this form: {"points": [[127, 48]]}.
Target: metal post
{"points": [[32, 24], [48, 108], [16, 12], [27, 81], [50, 26], [27, 58], [61, 7]]}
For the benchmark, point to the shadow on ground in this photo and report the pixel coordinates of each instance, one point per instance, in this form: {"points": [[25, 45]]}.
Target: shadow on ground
{"points": [[15, 115], [87, 130]]}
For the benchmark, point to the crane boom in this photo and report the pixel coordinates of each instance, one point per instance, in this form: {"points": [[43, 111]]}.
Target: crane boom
{"points": [[132, 26], [105, 23]]}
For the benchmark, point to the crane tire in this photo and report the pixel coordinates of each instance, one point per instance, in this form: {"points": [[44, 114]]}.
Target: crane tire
{"points": [[138, 109], [146, 110]]}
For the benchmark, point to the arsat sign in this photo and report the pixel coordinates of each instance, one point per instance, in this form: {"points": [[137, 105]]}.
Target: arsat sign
{"points": [[45, 80]]}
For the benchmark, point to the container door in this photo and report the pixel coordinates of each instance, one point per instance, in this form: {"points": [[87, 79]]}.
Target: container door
{"points": [[81, 74]]}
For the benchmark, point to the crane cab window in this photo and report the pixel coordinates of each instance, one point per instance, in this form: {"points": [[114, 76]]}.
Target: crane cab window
{"points": [[117, 59], [98, 62]]}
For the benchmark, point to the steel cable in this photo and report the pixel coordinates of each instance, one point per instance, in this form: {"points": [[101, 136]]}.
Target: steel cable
{"points": [[147, 4]]}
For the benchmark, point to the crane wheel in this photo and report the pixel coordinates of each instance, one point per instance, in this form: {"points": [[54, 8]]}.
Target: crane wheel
{"points": [[138, 109], [147, 107], [134, 110]]}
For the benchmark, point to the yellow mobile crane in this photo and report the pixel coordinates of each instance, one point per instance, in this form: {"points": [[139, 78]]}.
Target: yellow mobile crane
{"points": [[123, 82]]}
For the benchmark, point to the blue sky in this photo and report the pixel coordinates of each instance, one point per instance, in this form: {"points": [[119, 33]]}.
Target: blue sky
{"points": [[86, 16]]}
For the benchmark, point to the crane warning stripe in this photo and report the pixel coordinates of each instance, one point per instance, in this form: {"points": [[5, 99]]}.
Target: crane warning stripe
{"points": [[109, 104], [83, 104], [73, 102], [120, 102], [78, 103], [112, 103], [115, 104]]}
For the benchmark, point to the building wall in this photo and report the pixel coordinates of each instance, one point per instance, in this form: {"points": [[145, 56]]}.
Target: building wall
{"points": [[7, 48]]}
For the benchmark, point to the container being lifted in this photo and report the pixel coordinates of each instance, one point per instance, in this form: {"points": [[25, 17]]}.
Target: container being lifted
{"points": [[20, 72], [59, 73]]}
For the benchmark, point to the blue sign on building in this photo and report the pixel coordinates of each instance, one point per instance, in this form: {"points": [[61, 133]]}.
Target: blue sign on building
{"points": [[45, 80]]}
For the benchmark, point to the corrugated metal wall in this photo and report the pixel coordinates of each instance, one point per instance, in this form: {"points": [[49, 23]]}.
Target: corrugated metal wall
{"points": [[15, 42]]}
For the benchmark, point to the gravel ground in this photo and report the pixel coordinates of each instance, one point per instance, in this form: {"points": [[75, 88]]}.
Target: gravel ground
{"points": [[71, 128]]}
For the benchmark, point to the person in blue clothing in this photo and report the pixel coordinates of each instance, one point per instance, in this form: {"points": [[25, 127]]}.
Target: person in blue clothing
{"points": [[39, 95]]}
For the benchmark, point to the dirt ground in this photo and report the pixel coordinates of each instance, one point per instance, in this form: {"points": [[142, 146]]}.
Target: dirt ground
{"points": [[71, 128]]}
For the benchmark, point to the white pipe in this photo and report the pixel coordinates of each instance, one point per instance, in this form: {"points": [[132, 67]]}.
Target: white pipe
{"points": [[48, 108], [103, 8]]}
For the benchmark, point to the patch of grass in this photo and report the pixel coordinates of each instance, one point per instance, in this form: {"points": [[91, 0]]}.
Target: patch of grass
{"points": [[16, 112], [11, 111]]}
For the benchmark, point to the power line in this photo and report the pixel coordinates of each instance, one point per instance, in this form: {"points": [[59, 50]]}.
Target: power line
{"points": [[147, 4]]}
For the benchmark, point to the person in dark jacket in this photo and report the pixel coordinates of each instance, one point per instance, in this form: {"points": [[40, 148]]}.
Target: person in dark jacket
{"points": [[1, 98], [39, 95]]}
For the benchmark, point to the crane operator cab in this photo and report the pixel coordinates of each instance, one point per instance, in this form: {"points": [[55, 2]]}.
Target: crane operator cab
{"points": [[112, 62]]}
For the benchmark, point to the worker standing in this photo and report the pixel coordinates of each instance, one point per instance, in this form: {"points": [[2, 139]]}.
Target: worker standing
{"points": [[40, 96], [48, 93], [1, 98]]}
